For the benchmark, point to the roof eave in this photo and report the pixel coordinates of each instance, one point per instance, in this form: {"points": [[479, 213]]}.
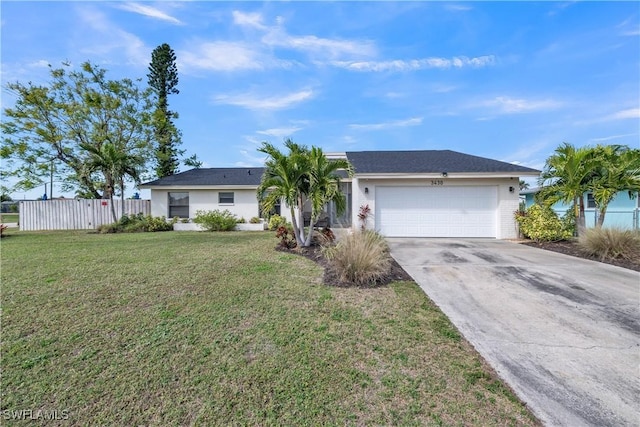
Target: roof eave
{"points": [[449, 175], [198, 187]]}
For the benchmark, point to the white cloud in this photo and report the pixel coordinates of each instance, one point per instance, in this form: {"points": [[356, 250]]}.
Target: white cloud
{"points": [[458, 7], [277, 36], [106, 38], [148, 11], [279, 132], [248, 19], [222, 56], [631, 113], [414, 121], [332, 48], [253, 101], [507, 105], [417, 64], [612, 137], [42, 63]]}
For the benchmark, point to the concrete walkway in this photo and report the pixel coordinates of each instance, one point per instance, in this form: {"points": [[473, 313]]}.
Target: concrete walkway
{"points": [[563, 332]]}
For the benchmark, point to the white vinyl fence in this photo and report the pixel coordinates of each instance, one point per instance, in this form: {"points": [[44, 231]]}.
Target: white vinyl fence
{"points": [[75, 214]]}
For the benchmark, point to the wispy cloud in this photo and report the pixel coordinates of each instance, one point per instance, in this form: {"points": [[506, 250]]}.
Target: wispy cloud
{"points": [[107, 38], [508, 105], [612, 137], [248, 19], [277, 36], [254, 101], [223, 56], [630, 113], [417, 64], [279, 132], [458, 7], [146, 10], [414, 121]]}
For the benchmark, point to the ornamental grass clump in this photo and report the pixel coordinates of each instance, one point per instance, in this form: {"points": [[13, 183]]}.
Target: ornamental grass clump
{"points": [[610, 243], [361, 258]]}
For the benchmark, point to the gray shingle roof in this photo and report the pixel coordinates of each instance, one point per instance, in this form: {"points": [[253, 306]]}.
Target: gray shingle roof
{"points": [[211, 176], [428, 161]]}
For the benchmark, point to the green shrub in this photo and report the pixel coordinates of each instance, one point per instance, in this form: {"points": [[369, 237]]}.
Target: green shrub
{"points": [[255, 220], [216, 220], [360, 258], [276, 221], [610, 243], [540, 223], [158, 223], [137, 223]]}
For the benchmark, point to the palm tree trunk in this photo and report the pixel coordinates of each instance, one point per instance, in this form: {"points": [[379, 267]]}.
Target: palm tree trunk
{"points": [[121, 197], [312, 221], [603, 211], [296, 230], [581, 222], [301, 220]]}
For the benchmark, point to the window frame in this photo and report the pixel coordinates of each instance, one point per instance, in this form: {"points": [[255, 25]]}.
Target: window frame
{"points": [[225, 201], [591, 202], [171, 206]]}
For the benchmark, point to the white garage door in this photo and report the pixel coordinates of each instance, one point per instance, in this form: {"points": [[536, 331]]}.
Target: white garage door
{"points": [[437, 211]]}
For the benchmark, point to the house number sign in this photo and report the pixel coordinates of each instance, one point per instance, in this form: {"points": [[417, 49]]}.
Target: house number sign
{"points": [[437, 182]]}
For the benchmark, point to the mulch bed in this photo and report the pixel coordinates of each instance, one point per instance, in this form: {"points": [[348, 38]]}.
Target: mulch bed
{"points": [[397, 273], [331, 278], [570, 247]]}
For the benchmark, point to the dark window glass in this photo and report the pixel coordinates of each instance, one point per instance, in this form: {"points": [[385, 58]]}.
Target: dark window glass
{"points": [[225, 198], [591, 202], [179, 205]]}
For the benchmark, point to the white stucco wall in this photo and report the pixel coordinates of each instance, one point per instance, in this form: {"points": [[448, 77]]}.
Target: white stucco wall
{"points": [[245, 203], [507, 201]]}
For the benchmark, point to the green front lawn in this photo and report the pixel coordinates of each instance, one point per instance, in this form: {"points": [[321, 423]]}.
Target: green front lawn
{"points": [[181, 328]]}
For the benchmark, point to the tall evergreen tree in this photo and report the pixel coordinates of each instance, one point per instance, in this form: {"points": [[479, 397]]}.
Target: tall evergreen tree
{"points": [[163, 79]]}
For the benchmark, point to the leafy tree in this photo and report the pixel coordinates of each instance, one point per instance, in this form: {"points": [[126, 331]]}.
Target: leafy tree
{"points": [[565, 178], [163, 79], [65, 121], [285, 177], [193, 162], [324, 185], [4, 197], [115, 164], [615, 168], [524, 185]]}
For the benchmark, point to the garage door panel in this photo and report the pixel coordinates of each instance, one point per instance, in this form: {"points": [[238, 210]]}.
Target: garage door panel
{"points": [[436, 211]]}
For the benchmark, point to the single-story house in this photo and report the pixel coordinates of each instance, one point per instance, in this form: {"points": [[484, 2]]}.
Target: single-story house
{"points": [[428, 193], [623, 211]]}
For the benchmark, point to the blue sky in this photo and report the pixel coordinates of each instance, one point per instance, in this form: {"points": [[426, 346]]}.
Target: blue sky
{"points": [[504, 80]]}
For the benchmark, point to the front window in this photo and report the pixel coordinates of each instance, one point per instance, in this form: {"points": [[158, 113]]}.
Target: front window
{"points": [[179, 205], [225, 198], [591, 202]]}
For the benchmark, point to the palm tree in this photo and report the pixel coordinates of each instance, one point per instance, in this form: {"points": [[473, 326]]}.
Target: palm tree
{"points": [[285, 177], [565, 178], [524, 185], [324, 185], [115, 165], [615, 168]]}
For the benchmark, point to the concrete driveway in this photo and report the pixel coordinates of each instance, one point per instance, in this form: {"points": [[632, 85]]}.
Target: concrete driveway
{"points": [[563, 332]]}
